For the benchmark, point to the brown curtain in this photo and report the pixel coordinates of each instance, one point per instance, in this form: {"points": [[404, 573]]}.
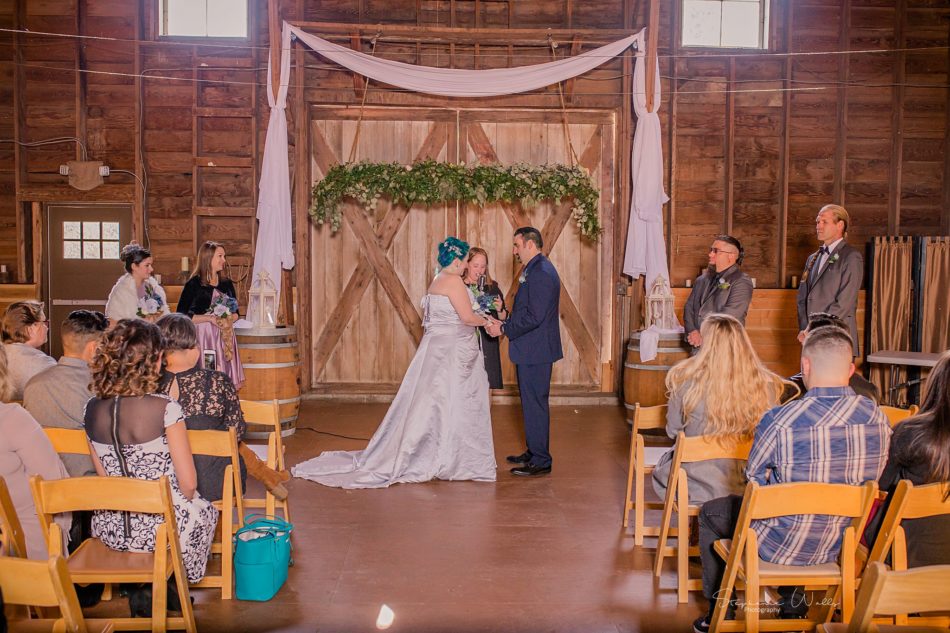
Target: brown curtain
{"points": [[890, 303], [935, 324]]}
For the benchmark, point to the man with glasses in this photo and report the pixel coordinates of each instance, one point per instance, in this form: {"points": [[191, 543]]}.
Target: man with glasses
{"points": [[723, 288]]}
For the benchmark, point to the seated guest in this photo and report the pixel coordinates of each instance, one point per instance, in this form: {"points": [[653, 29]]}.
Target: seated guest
{"points": [[136, 294], [137, 432], [861, 385], [57, 397], [25, 451], [24, 332], [829, 435], [723, 289], [920, 453], [705, 400], [209, 401]]}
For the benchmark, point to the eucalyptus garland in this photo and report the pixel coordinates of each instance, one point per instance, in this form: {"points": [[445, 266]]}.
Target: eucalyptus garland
{"points": [[430, 182]]}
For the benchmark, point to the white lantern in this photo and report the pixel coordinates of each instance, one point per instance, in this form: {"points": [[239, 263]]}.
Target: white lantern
{"points": [[660, 310], [262, 301]]}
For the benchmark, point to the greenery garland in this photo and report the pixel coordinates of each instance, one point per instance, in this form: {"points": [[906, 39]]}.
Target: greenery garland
{"points": [[429, 182]]}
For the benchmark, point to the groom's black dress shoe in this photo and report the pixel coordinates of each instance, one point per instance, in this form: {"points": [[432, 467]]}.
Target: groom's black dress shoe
{"points": [[531, 471], [524, 458]]}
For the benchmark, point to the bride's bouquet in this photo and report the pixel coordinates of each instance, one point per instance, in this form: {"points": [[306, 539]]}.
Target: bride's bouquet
{"points": [[150, 304], [485, 303]]}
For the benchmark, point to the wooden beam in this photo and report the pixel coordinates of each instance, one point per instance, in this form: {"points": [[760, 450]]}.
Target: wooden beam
{"points": [[844, 68], [785, 155], [302, 229], [273, 31], [569, 84], [36, 235], [19, 128], [653, 38], [359, 82], [897, 124], [140, 203], [81, 77], [730, 149], [945, 210], [393, 32]]}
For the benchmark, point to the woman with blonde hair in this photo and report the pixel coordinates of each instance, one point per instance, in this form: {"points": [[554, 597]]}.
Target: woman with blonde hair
{"points": [[722, 391], [25, 329]]}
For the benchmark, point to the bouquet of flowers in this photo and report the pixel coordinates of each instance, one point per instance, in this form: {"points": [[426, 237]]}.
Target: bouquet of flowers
{"points": [[223, 306], [484, 302], [150, 304]]}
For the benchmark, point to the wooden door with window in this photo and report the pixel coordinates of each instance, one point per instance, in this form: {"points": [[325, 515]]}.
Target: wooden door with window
{"points": [[366, 280], [83, 242]]}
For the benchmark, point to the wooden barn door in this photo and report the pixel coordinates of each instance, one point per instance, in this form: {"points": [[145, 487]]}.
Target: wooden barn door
{"points": [[368, 278]]}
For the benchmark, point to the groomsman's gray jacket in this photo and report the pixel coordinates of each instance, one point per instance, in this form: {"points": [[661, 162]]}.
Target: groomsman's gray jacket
{"points": [[833, 289], [729, 292]]}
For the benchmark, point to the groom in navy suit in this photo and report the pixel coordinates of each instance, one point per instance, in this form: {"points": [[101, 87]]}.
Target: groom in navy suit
{"points": [[534, 346]]}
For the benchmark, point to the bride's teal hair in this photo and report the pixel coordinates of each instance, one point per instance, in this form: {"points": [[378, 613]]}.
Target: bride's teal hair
{"points": [[450, 249]]}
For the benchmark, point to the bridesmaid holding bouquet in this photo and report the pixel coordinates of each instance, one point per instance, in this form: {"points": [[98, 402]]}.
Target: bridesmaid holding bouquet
{"points": [[210, 299]]}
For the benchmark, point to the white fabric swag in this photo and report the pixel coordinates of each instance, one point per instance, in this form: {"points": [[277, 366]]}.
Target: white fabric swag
{"points": [[274, 242]]}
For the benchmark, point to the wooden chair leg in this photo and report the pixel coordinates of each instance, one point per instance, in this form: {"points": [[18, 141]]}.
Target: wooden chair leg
{"points": [[682, 548], [630, 468], [160, 583], [639, 498]]}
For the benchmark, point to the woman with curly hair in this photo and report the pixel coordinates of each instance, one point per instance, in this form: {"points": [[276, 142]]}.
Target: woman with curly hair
{"points": [[25, 330], [137, 432], [722, 391], [439, 424]]}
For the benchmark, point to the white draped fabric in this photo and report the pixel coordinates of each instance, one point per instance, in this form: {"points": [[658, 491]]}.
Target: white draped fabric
{"points": [[646, 249], [275, 249], [646, 252]]}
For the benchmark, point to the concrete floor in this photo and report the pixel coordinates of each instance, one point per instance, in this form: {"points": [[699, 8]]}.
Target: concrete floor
{"points": [[519, 555]]}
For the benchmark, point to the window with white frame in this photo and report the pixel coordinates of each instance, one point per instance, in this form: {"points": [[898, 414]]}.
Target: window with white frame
{"points": [[725, 23], [202, 18]]}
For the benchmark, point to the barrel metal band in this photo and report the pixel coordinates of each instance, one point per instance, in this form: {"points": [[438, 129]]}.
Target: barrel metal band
{"points": [[270, 365], [638, 366], [266, 345]]}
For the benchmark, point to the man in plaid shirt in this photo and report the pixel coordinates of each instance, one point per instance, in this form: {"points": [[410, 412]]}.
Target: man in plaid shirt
{"points": [[830, 435]]}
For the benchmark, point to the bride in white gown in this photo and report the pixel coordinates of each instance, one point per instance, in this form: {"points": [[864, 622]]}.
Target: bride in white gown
{"points": [[439, 424]]}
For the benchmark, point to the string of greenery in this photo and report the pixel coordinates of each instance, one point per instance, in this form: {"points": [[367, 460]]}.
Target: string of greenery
{"points": [[429, 182]]}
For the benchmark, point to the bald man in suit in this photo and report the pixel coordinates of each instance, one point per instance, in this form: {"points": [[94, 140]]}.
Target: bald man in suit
{"points": [[833, 275]]}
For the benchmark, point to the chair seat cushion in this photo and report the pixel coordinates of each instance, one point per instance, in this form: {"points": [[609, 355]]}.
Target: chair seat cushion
{"points": [[93, 561]]}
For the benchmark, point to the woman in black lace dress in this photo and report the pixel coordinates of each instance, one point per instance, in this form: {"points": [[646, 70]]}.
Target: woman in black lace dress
{"points": [[478, 279], [210, 402]]}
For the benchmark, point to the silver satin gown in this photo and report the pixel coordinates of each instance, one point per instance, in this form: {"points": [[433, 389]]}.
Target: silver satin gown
{"points": [[439, 424]]}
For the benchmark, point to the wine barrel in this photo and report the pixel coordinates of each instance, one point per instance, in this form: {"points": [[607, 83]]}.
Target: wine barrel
{"points": [[644, 382], [271, 370]]}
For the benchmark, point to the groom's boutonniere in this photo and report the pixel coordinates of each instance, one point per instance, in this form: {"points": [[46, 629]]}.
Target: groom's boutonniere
{"points": [[833, 258], [724, 285], [522, 278]]}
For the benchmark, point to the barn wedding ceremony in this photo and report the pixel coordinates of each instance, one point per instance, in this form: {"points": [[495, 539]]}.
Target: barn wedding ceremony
{"points": [[471, 316]]}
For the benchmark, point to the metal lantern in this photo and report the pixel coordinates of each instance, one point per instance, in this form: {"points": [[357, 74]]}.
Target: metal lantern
{"points": [[262, 301], [660, 310]]}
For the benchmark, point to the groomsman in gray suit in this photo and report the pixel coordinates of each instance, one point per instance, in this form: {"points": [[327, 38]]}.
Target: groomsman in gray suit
{"points": [[833, 275], [723, 288]]}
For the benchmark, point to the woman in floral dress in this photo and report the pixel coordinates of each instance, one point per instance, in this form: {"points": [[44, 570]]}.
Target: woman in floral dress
{"points": [[139, 433]]}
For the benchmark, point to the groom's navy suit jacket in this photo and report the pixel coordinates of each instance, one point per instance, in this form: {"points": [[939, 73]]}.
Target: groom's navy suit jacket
{"points": [[534, 336]]}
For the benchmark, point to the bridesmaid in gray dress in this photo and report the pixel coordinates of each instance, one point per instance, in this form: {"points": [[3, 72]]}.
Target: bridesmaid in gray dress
{"points": [[439, 424]]}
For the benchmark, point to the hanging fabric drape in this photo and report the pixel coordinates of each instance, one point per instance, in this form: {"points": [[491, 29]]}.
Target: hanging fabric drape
{"points": [[275, 249], [646, 248], [274, 239], [890, 304]]}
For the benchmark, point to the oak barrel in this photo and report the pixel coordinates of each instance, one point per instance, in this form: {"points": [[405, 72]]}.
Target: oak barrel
{"points": [[645, 381], [271, 370]]}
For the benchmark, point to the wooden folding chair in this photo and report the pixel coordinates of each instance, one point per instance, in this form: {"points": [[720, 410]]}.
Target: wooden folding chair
{"points": [[68, 440], [94, 562], [896, 415], [896, 592], [909, 502], [223, 444], [267, 414], [45, 584], [688, 450], [643, 458], [12, 539], [744, 568]]}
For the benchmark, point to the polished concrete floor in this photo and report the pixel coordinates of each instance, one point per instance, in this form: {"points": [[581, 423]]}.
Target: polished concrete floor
{"points": [[518, 555]]}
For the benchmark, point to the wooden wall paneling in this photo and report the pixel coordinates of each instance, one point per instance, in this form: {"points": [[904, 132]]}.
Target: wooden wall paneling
{"points": [[302, 228], [36, 244], [844, 66], [80, 75], [945, 207], [897, 123], [729, 147], [139, 217], [784, 279]]}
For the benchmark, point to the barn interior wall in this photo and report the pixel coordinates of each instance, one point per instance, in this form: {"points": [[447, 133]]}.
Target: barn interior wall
{"points": [[754, 143]]}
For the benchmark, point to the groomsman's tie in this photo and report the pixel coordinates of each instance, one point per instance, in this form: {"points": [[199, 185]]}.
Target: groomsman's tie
{"points": [[822, 257]]}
